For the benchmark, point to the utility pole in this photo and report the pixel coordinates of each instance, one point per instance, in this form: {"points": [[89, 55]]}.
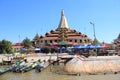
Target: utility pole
{"points": [[93, 29], [19, 37], [95, 40]]}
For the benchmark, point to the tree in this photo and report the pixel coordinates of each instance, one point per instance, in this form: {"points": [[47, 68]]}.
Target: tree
{"points": [[27, 43], [5, 47]]}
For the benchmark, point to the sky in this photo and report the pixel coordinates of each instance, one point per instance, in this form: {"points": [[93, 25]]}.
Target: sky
{"points": [[24, 18]]}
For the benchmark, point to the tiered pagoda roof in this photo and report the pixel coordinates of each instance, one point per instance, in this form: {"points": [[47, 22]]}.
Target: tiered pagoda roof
{"points": [[36, 38], [63, 34], [118, 39], [117, 43]]}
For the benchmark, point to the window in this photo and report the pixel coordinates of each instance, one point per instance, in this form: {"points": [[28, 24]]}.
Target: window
{"points": [[50, 41], [45, 41], [85, 40], [55, 40], [70, 40], [41, 41], [88, 40], [75, 40], [80, 41]]}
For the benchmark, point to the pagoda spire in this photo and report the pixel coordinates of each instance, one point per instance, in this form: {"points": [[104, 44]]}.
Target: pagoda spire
{"points": [[63, 22], [119, 36], [36, 38]]}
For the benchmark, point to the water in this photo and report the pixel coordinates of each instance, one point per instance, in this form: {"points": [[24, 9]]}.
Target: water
{"points": [[55, 73]]}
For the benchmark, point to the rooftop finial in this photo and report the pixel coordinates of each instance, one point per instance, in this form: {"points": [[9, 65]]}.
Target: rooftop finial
{"points": [[119, 36], [62, 12], [63, 22]]}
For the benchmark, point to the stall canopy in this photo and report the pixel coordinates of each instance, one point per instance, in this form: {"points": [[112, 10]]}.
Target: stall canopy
{"points": [[98, 46], [89, 46]]}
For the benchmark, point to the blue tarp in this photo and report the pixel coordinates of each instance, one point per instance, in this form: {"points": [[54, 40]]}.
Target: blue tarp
{"points": [[89, 46], [98, 46], [76, 47]]}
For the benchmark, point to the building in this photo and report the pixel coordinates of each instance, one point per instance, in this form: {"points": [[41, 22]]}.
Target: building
{"points": [[63, 35], [17, 47], [117, 43]]}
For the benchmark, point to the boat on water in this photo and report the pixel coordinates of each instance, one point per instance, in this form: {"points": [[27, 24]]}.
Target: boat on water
{"points": [[41, 65], [23, 66], [4, 70], [28, 67]]}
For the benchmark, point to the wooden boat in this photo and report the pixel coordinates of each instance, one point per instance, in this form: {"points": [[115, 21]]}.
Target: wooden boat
{"points": [[23, 67], [3, 70], [28, 67], [41, 66], [17, 66]]}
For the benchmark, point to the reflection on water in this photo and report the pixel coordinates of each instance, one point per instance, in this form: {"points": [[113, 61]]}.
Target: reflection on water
{"points": [[55, 74]]}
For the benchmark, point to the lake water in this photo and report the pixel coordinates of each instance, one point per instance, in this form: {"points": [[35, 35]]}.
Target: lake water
{"points": [[55, 73]]}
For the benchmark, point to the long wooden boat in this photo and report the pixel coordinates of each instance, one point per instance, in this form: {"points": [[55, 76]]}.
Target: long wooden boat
{"points": [[4, 70], [28, 67], [23, 67], [41, 66]]}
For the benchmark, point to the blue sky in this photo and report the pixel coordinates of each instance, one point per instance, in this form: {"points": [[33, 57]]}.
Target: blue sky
{"points": [[24, 18]]}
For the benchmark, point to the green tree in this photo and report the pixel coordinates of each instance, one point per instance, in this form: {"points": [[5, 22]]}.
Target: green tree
{"points": [[6, 47], [27, 43]]}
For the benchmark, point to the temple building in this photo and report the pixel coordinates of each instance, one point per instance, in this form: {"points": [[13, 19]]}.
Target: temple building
{"points": [[63, 35], [117, 43]]}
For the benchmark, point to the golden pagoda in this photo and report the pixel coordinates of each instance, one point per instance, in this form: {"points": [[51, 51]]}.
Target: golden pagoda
{"points": [[63, 35]]}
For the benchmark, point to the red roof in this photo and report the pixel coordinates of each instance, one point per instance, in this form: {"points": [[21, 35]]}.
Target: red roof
{"points": [[106, 45], [49, 38], [18, 43], [18, 47]]}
